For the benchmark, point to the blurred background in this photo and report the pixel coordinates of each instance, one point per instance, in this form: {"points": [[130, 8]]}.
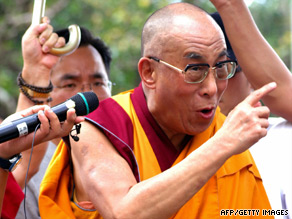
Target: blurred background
{"points": [[119, 24]]}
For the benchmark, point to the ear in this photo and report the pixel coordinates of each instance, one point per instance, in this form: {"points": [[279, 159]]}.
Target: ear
{"points": [[147, 72]]}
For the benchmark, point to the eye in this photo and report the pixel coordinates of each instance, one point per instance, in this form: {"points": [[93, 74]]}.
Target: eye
{"points": [[196, 68], [220, 65], [69, 86], [98, 84]]}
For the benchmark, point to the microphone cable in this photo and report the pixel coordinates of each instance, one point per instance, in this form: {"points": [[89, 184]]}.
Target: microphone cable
{"points": [[116, 137], [26, 175]]}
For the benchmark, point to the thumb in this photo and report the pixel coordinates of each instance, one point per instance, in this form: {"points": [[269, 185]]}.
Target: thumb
{"points": [[34, 31], [38, 29], [258, 94]]}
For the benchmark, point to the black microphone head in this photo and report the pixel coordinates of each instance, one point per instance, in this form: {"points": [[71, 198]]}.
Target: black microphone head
{"points": [[85, 103]]}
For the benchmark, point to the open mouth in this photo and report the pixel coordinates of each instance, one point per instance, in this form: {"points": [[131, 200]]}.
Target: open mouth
{"points": [[207, 113]]}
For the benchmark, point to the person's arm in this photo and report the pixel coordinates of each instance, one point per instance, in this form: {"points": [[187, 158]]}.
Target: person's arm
{"points": [[50, 128], [37, 42], [37, 64], [258, 60], [114, 191]]}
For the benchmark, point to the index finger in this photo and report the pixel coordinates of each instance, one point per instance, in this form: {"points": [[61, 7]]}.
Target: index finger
{"points": [[255, 96]]}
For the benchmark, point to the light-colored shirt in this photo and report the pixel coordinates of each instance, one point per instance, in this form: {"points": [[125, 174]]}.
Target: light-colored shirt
{"points": [[273, 157], [33, 188]]}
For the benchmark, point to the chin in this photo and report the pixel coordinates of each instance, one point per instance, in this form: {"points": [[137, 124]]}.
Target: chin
{"points": [[199, 128]]}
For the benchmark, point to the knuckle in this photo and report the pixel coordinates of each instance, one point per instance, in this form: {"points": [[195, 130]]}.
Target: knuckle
{"points": [[50, 27], [259, 131], [55, 36], [46, 131]]}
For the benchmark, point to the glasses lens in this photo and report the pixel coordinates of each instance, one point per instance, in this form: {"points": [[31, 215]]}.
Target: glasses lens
{"points": [[196, 73], [110, 85], [225, 70]]}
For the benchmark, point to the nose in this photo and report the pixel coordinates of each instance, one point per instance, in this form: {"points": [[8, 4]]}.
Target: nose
{"points": [[209, 86], [86, 87]]}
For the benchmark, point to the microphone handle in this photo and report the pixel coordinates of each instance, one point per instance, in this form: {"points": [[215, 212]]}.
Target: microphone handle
{"points": [[26, 125], [18, 128]]}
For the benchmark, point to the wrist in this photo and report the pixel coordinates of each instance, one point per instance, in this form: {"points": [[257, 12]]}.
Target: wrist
{"points": [[37, 76], [5, 150], [11, 163], [224, 144], [36, 94], [4, 156]]}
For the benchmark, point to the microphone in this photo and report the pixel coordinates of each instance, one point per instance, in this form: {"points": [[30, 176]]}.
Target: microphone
{"points": [[84, 103]]}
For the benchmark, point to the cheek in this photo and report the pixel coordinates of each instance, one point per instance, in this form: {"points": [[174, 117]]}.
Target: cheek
{"points": [[59, 97], [103, 93], [221, 85]]}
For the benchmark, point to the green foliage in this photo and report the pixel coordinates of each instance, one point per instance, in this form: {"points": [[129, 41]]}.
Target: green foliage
{"points": [[119, 24], [273, 20]]}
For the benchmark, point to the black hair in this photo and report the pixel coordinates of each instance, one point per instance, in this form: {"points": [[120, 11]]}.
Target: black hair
{"points": [[230, 52], [88, 39]]}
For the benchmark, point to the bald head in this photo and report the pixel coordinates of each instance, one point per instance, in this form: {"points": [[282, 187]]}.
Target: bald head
{"points": [[172, 19]]}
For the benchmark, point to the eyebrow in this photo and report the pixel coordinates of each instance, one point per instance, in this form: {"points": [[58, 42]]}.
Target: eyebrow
{"points": [[193, 55], [68, 76], [223, 53], [97, 75], [71, 76]]}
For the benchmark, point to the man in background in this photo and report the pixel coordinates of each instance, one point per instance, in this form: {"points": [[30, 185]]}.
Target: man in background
{"points": [[86, 69]]}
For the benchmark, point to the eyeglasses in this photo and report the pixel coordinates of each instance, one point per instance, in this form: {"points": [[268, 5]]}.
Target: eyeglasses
{"points": [[97, 87], [196, 73]]}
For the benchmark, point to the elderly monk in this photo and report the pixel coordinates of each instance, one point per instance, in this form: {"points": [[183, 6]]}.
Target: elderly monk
{"points": [[161, 150]]}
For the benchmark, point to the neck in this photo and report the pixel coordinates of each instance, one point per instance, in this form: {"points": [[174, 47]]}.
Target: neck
{"points": [[180, 141]]}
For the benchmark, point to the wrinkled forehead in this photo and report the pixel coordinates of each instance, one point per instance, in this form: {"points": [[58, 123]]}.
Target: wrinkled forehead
{"points": [[189, 36]]}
